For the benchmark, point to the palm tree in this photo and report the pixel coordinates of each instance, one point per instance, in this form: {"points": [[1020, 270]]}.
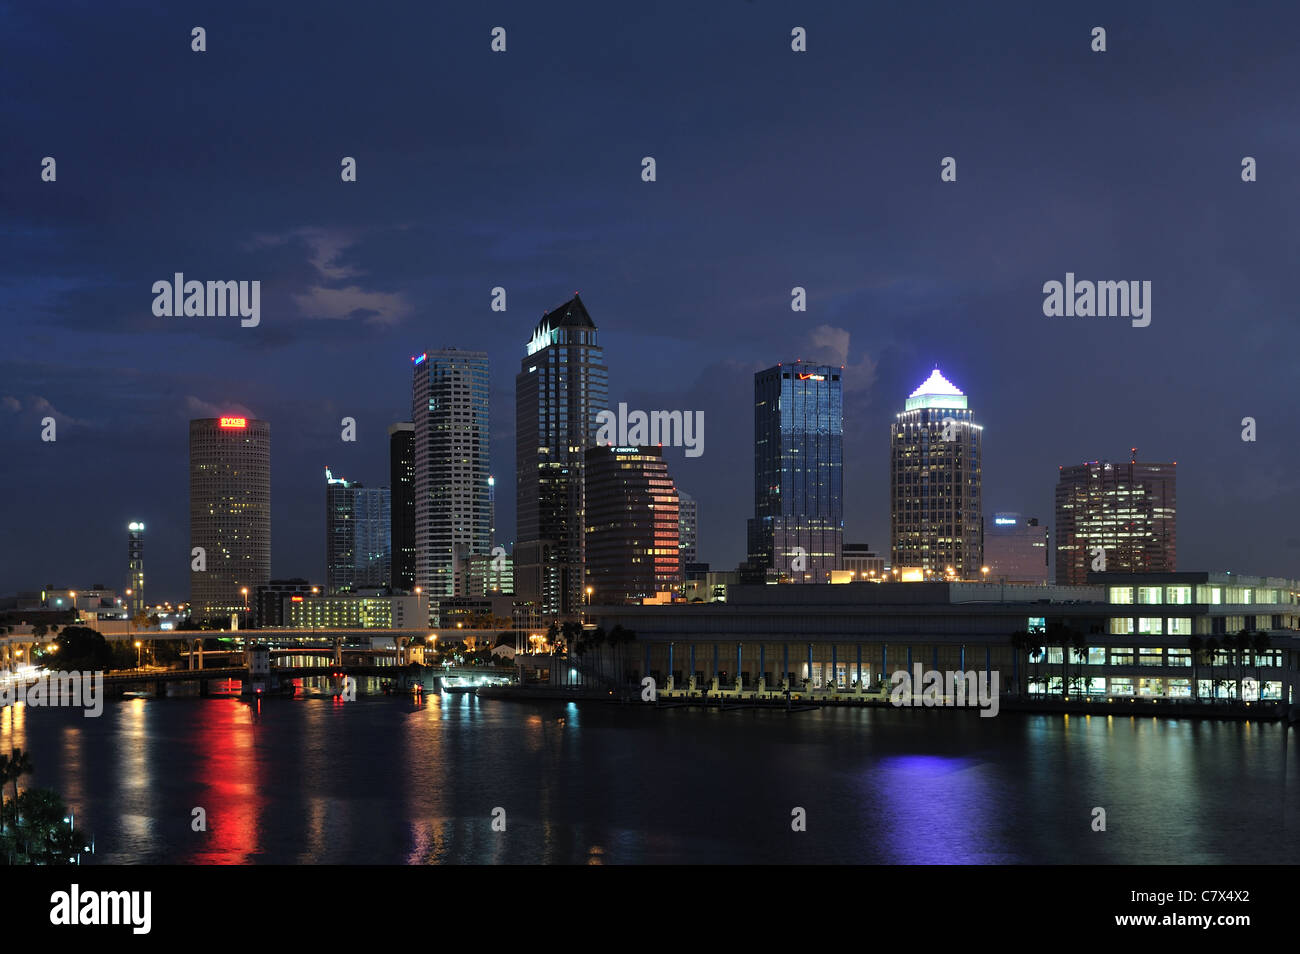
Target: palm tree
{"points": [[1260, 643], [1211, 653], [1020, 646], [1063, 635], [1195, 644], [6, 769], [20, 764], [1080, 646], [1037, 653]]}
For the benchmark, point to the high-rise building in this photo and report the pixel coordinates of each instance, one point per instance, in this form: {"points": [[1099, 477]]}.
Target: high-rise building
{"points": [[449, 407], [1117, 518], [561, 386], [633, 525], [935, 467], [358, 536], [797, 531], [401, 477], [688, 510], [135, 566], [230, 514], [1015, 550]]}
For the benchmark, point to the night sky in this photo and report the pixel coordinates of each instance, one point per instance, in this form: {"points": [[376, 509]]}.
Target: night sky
{"points": [[523, 169]]}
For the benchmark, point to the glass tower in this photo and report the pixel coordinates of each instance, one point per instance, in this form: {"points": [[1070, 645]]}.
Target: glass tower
{"points": [[561, 386], [797, 531], [358, 536]]}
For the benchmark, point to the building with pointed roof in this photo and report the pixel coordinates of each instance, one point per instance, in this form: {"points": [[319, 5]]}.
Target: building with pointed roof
{"points": [[561, 386], [935, 484]]}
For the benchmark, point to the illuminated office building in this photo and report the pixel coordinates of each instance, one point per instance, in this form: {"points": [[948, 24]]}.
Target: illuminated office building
{"points": [[561, 386], [1015, 549], [1125, 513], [633, 525], [230, 514], [452, 511], [358, 535], [936, 520], [797, 531]]}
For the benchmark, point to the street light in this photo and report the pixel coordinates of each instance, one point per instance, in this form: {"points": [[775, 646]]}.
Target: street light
{"points": [[138, 646]]}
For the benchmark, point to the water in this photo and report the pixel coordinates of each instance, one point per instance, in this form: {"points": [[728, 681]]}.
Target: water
{"points": [[391, 781]]}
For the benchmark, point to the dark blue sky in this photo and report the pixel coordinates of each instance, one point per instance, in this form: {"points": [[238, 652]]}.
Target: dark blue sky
{"points": [[522, 169]]}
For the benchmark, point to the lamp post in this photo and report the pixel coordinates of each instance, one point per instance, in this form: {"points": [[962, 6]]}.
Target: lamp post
{"points": [[138, 646]]}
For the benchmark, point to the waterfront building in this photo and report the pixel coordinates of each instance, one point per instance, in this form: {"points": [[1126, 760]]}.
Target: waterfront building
{"points": [[1116, 518], [935, 480], [797, 531], [1148, 636], [230, 514]]}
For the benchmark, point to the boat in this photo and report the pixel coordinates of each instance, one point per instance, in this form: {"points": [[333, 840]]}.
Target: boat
{"points": [[449, 687]]}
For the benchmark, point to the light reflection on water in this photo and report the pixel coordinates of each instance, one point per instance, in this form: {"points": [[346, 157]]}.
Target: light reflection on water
{"points": [[399, 780]]}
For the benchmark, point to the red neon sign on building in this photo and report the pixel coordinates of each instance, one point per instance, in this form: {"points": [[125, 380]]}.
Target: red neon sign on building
{"points": [[234, 422]]}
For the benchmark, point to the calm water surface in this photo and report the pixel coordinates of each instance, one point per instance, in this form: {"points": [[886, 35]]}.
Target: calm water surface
{"points": [[393, 781]]}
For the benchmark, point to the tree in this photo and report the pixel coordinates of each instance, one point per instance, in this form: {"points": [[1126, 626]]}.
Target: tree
{"points": [[1260, 643], [45, 836], [1211, 654], [1037, 652], [1020, 648], [20, 764], [1196, 645], [1060, 633], [1080, 646], [83, 648]]}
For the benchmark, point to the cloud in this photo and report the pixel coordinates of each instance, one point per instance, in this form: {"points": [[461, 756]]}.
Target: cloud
{"points": [[11, 404], [379, 308], [831, 345], [325, 249], [46, 409]]}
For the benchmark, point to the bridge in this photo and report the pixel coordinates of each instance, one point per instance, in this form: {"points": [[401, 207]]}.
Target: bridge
{"points": [[15, 647]]}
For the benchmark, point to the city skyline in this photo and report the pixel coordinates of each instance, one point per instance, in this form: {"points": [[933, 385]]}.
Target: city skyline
{"points": [[900, 269]]}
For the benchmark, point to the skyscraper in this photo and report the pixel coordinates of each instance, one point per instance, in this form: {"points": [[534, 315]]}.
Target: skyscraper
{"points": [[632, 525], [561, 386], [1124, 513], [688, 510], [1015, 549], [797, 531], [230, 513], [401, 478], [449, 408], [358, 536], [935, 468], [135, 566]]}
